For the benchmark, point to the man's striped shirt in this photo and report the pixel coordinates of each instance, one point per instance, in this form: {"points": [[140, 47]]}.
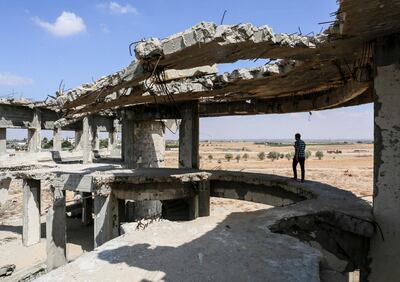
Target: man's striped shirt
{"points": [[300, 148]]}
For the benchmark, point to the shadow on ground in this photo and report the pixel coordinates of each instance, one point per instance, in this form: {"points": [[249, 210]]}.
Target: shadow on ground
{"points": [[240, 248]]}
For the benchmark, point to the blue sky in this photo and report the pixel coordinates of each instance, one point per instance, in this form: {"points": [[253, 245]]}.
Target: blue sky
{"points": [[44, 42]]}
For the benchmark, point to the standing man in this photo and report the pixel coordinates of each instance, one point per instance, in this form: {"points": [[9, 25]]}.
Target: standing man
{"points": [[299, 156]]}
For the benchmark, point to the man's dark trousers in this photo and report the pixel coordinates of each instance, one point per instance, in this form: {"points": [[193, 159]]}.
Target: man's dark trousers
{"points": [[295, 162]]}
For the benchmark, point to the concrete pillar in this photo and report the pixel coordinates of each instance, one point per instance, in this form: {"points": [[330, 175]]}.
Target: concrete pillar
{"points": [[204, 198], [87, 208], [78, 140], [34, 140], [31, 212], [56, 232], [143, 147], [57, 139], [144, 144], [112, 138], [106, 219], [189, 137], [87, 141], [3, 141], [385, 250], [4, 186]]}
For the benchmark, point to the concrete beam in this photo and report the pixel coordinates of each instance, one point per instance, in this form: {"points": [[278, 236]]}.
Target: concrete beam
{"points": [[31, 212], [385, 249], [56, 232], [189, 139], [3, 141], [106, 221]]}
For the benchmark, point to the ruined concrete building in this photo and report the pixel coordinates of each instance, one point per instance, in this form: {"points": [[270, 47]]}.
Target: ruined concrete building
{"points": [[355, 61]]}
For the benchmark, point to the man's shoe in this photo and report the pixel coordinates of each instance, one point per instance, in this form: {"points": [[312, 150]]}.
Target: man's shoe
{"points": [[302, 180]]}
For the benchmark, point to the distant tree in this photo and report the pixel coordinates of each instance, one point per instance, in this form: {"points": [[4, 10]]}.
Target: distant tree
{"points": [[245, 156], [319, 155], [103, 143], [45, 140], [219, 161], [281, 156], [228, 157], [273, 156], [238, 157], [210, 157], [66, 144], [261, 156], [308, 154]]}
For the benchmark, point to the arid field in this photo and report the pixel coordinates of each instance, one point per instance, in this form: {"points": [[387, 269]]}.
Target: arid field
{"points": [[347, 166]]}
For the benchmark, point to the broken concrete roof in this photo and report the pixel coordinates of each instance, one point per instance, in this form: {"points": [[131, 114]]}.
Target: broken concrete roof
{"points": [[324, 63], [48, 104]]}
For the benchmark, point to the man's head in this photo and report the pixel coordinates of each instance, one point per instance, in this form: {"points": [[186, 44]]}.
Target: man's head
{"points": [[297, 136]]}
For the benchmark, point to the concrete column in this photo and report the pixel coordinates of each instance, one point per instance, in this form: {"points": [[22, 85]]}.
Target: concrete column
{"points": [[3, 141], [144, 144], [31, 212], [106, 220], [204, 198], [143, 147], [95, 137], [34, 140], [87, 141], [87, 208], [56, 232], [385, 250], [112, 139], [189, 137], [57, 139], [4, 186], [78, 140]]}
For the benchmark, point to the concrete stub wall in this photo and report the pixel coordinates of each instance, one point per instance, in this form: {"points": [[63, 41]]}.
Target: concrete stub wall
{"points": [[385, 252]]}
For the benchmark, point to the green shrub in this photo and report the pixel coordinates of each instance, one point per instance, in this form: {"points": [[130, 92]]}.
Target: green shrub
{"points": [[245, 156], [319, 155], [228, 157], [261, 156], [237, 158], [273, 156]]}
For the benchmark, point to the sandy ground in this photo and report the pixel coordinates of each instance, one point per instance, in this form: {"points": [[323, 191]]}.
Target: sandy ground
{"points": [[350, 170]]}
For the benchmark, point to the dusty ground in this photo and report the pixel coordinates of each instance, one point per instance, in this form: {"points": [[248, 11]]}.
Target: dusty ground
{"points": [[230, 245], [351, 170]]}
